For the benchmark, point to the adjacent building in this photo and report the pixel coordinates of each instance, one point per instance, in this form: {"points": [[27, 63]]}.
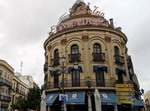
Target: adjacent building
{"points": [[20, 90], [26, 79], [147, 100], [6, 79], [97, 67]]}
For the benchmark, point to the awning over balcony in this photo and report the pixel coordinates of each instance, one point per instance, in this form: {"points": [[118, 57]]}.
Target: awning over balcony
{"points": [[95, 68], [75, 98], [108, 98], [54, 72], [138, 103], [71, 69], [120, 70], [50, 98]]}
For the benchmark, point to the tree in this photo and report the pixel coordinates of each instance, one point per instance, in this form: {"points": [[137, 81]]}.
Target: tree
{"points": [[33, 98], [32, 101]]}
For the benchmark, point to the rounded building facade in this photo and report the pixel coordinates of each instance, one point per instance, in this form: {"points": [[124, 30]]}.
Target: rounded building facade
{"points": [[96, 60]]}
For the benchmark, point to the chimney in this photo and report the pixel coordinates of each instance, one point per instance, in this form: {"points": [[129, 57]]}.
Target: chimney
{"points": [[111, 23]]}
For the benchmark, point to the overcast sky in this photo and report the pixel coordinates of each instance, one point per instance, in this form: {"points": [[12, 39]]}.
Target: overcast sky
{"points": [[24, 26]]}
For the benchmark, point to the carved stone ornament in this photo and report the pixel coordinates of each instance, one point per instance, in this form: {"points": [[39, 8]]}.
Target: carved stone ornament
{"points": [[63, 41], [85, 38], [122, 43], [49, 47], [108, 39]]}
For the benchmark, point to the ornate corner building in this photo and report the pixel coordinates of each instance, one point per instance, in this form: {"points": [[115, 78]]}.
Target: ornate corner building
{"points": [[96, 58]]}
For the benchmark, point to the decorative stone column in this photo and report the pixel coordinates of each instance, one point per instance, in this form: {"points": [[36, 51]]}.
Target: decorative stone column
{"points": [[89, 102], [115, 108]]}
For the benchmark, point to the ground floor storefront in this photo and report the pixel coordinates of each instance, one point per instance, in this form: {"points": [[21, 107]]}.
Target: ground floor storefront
{"points": [[89, 101]]}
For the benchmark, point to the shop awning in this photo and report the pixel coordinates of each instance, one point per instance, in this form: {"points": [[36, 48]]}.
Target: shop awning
{"points": [[120, 70], [138, 103], [70, 69], [95, 68], [108, 98], [75, 98], [50, 98]]}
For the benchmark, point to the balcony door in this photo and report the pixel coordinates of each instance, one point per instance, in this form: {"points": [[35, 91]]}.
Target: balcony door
{"points": [[75, 78], [56, 57], [56, 81], [120, 78], [100, 81]]}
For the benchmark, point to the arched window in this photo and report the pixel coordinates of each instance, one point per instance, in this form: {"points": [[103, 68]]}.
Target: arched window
{"points": [[56, 53], [96, 48], [56, 57], [116, 50], [74, 49]]}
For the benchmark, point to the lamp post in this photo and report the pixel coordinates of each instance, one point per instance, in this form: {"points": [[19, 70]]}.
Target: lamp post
{"points": [[63, 59]]}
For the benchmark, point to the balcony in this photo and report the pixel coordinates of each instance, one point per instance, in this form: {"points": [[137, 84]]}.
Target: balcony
{"points": [[98, 56], [82, 83], [119, 59], [45, 67], [55, 61], [5, 98], [74, 57], [5, 82]]}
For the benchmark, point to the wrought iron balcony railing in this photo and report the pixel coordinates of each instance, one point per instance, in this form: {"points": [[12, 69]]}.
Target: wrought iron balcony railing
{"points": [[5, 98], [98, 56], [74, 57], [55, 61], [5, 82], [119, 59], [45, 67], [81, 83]]}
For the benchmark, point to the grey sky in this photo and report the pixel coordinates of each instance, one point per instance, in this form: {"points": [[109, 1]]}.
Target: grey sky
{"points": [[24, 26]]}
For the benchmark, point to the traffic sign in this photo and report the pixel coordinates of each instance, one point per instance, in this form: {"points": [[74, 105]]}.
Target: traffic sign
{"points": [[124, 85], [63, 97], [125, 97], [124, 89], [125, 93], [126, 101]]}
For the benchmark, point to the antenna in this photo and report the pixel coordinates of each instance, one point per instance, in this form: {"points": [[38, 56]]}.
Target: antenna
{"points": [[21, 66]]}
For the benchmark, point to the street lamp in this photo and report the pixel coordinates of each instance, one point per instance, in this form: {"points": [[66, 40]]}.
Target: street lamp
{"points": [[63, 59]]}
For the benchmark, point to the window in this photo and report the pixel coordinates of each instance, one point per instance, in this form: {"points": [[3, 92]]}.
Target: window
{"points": [[56, 53], [75, 78], [56, 81], [116, 50], [56, 57], [100, 81], [96, 48], [74, 49], [120, 78], [1, 73]]}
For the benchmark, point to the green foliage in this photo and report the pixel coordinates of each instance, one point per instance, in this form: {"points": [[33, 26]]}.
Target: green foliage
{"points": [[33, 98], [16, 106], [32, 101]]}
